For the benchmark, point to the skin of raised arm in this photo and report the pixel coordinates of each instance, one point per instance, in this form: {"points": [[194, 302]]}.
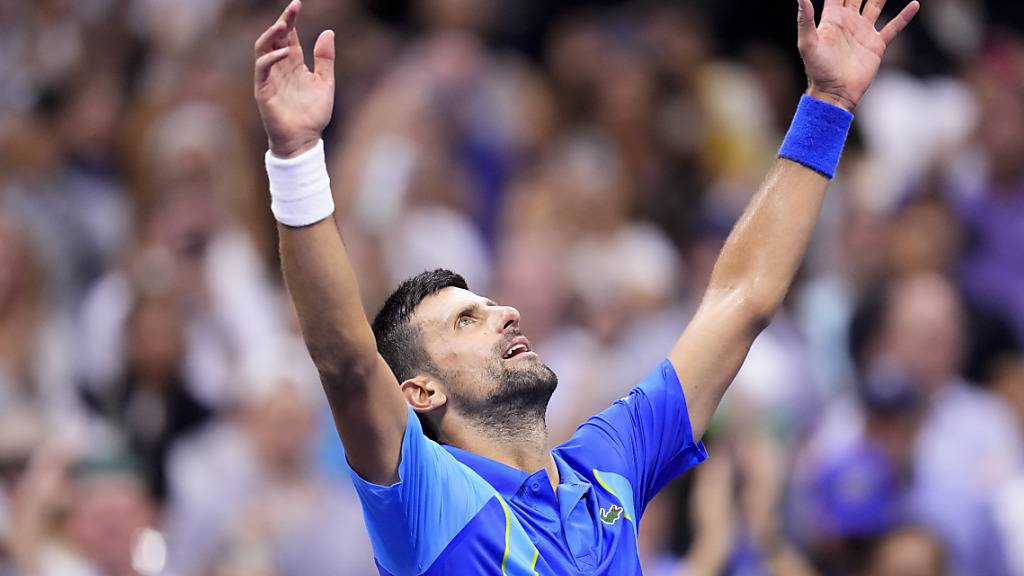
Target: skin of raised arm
{"points": [[749, 281], [369, 410], [761, 256]]}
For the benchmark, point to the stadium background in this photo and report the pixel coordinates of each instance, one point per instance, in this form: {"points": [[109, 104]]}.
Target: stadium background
{"points": [[581, 161]]}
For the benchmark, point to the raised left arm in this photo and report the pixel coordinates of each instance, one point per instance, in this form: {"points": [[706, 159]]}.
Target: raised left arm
{"points": [[760, 258]]}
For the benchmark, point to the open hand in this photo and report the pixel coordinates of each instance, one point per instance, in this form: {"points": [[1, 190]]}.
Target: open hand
{"points": [[842, 54], [295, 103]]}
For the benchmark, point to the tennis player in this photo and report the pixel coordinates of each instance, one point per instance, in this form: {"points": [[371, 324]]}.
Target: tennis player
{"points": [[440, 403]]}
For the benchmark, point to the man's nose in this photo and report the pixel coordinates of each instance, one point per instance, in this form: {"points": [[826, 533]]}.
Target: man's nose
{"points": [[508, 317]]}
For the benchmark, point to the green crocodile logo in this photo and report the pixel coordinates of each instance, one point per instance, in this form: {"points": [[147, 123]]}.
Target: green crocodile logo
{"points": [[612, 515]]}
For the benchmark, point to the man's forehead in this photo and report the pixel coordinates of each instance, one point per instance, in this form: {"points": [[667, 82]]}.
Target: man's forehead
{"points": [[446, 302]]}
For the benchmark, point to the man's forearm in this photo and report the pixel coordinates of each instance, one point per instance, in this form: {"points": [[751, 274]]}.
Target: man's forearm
{"points": [[316, 266], [764, 250], [368, 407], [762, 254], [758, 262], [325, 291]]}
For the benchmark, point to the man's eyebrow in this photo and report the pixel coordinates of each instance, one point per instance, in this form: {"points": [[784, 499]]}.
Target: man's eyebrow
{"points": [[468, 308], [476, 307]]}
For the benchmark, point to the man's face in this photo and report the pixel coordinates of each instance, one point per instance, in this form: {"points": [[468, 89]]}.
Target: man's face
{"points": [[107, 514], [486, 365], [926, 331]]}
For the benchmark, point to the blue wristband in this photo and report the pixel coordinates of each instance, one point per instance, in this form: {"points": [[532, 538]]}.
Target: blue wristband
{"points": [[817, 136]]}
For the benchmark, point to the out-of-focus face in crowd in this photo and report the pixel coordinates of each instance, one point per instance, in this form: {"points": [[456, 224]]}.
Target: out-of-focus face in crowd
{"points": [[908, 552], [88, 126], [156, 344], [924, 329], [925, 237], [282, 426], [108, 511], [1000, 89]]}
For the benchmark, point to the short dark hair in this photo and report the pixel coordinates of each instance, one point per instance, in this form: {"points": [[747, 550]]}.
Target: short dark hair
{"points": [[400, 342]]}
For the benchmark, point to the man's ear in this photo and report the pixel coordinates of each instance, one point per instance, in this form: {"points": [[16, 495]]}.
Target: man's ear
{"points": [[424, 393]]}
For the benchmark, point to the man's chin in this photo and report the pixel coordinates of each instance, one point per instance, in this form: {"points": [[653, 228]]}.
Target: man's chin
{"points": [[528, 372], [542, 376]]}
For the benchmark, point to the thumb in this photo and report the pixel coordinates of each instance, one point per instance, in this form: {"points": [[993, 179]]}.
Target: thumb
{"points": [[807, 33], [323, 56]]}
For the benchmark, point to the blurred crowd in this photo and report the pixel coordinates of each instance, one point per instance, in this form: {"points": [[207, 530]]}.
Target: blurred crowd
{"points": [[581, 161]]}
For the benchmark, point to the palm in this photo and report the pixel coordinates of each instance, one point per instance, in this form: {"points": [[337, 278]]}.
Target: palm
{"points": [[293, 98], [294, 102], [842, 55]]}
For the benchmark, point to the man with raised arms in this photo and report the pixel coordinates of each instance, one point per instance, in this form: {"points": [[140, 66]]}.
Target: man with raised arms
{"points": [[440, 402]]}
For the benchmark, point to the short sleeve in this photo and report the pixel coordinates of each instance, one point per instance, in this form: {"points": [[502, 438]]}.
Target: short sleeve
{"points": [[645, 436], [412, 521]]}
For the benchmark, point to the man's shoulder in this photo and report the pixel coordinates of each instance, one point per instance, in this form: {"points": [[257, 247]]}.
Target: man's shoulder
{"points": [[588, 449], [658, 388]]}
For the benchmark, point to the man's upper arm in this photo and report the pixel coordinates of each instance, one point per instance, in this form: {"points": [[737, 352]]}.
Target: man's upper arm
{"points": [[645, 437], [412, 520], [711, 351], [370, 418]]}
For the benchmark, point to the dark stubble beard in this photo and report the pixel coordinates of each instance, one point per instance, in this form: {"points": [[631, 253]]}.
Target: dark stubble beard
{"points": [[517, 404]]}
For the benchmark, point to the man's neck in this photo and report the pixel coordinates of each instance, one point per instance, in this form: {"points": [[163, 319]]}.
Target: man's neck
{"points": [[523, 448]]}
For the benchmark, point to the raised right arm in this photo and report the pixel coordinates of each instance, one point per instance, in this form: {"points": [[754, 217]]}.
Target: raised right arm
{"points": [[295, 105]]}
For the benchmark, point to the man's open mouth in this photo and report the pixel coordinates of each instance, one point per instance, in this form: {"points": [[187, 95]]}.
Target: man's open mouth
{"points": [[520, 345]]}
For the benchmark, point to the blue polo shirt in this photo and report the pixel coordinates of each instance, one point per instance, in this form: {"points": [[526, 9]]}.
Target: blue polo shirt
{"points": [[455, 512]]}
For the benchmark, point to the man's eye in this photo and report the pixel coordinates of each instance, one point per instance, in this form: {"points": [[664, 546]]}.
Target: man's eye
{"points": [[464, 321]]}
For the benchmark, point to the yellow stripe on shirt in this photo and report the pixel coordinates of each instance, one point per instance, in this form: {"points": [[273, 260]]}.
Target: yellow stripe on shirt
{"points": [[508, 529], [610, 491]]}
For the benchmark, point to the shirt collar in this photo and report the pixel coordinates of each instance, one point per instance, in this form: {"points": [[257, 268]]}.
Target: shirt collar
{"points": [[508, 480], [505, 479]]}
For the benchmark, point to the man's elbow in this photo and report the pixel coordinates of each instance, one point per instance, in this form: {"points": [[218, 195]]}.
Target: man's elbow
{"points": [[761, 310], [757, 318], [753, 308]]}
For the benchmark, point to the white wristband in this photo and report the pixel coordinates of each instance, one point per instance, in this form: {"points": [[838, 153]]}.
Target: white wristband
{"points": [[300, 189]]}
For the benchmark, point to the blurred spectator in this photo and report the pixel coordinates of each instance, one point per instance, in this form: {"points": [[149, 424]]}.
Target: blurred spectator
{"points": [[22, 432], [1007, 380], [248, 499], [87, 516], [87, 122], [736, 508], [151, 405], [926, 330], [908, 552], [859, 491], [1009, 521], [194, 245], [990, 187], [21, 312], [926, 237], [916, 339], [35, 360]]}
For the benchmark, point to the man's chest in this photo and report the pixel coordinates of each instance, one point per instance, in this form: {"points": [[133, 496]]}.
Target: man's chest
{"points": [[582, 527], [580, 530]]}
